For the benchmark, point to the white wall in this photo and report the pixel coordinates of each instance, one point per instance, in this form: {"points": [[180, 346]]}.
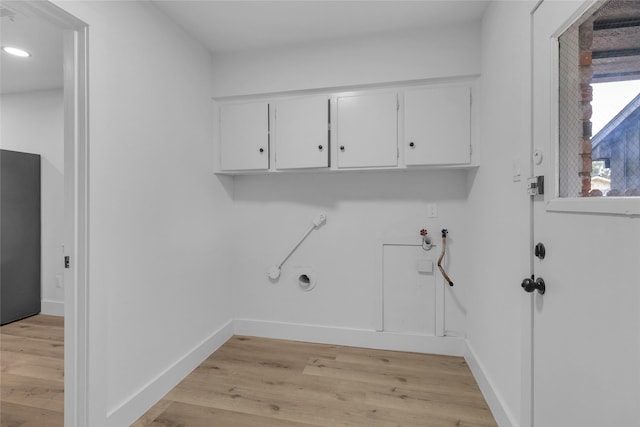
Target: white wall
{"points": [[451, 51], [500, 219], [272, 212], [159, 278], [363, 208], [32, 122]]}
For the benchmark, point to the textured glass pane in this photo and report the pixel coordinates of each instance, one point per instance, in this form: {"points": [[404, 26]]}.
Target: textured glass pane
{"points": [[570, 119]]}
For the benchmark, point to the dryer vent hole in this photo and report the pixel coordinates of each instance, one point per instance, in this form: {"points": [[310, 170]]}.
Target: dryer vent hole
{"points": [[305, 282]]}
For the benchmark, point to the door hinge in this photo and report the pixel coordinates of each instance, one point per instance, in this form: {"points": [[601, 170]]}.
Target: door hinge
{"points": [[535, 185], [66, 261]]}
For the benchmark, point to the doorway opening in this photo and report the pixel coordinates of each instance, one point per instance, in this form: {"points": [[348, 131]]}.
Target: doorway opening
{"points": [[74, 279]]}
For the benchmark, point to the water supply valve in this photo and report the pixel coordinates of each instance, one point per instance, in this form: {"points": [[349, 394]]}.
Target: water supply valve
{"points": [[426, 240]]}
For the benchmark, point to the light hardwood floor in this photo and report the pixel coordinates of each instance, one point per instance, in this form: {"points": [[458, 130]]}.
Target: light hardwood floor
{"points": [[263, 382], [32, 372]]}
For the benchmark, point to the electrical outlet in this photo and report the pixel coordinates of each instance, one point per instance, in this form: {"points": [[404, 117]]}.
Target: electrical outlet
{"points": [[432, 210]]}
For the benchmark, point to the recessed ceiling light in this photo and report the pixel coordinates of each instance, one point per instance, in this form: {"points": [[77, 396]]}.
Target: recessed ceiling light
{"points": [[16, 51]]}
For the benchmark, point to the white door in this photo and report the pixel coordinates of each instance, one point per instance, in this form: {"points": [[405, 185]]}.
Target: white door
{"points": [[302, 133], [437, 125], [367, 129], [586, 326], [244, 136]]}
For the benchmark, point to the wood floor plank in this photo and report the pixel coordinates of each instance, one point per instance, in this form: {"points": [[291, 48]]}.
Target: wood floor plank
{"points": [[32, 366], [473, 399], [389, 377], [31, 346], [12, 414], [29, 330], [449, 365], [32, 392], [248, 348], [182, 414], [443, 409], [44, 320]]}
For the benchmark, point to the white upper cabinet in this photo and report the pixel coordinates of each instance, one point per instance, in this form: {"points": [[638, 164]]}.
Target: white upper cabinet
{"points": [[437, 125], [244, 136], [429, 125], [301, 133], [367, 130]]}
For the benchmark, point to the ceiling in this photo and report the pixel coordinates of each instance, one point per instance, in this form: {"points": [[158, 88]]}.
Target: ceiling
{"points": [[228, 26], [232, 26], [43, 70]]}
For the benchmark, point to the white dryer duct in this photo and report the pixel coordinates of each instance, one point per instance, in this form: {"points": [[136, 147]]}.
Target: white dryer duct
{"points": [[274, 272]]}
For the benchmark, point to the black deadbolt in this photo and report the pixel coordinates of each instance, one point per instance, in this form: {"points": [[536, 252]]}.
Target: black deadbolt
{"points": [[540, 251]]}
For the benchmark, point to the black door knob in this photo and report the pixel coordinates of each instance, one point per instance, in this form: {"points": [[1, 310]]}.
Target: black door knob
{"points": [[529, 285], [342, 148], [411, 144], [261, 150]]}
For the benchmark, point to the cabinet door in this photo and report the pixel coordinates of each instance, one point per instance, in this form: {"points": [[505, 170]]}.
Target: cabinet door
{"points": [[244, 136], [302, 133], [437, 125], [367, 130]]}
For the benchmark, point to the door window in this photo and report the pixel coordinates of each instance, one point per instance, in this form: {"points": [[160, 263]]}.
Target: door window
{"points": [[599, 102]]}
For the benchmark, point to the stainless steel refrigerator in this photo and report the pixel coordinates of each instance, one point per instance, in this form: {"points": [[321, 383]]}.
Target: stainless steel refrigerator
{"points": [[20, 245]]}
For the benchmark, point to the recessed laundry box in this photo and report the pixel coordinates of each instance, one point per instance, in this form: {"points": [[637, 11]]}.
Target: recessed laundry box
{"points": [[409, 290]]}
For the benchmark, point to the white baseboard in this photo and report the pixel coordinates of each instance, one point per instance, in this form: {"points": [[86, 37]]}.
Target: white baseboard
{"points": [[52, 308], [132, 408], [367, 338], [495, 402]]}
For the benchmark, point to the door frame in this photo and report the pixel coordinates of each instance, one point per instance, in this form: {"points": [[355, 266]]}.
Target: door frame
{"points": [[76, 307], [76, 208]]}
